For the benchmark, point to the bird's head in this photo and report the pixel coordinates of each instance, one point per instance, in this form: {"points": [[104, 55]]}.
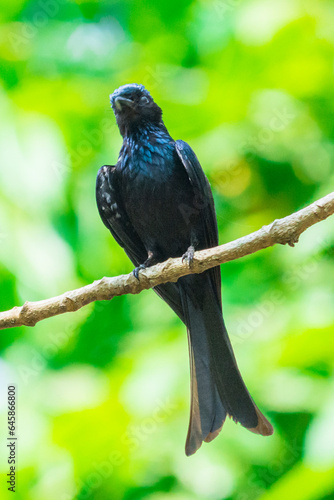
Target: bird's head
{"points": [[134, 107]]}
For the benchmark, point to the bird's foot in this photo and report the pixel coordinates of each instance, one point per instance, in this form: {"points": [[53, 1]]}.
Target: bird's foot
{"points": [[136, 270], [189, 255], [148, 262]]}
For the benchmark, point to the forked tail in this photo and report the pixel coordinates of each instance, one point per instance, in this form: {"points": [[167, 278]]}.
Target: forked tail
{"points": [[217, 388]]}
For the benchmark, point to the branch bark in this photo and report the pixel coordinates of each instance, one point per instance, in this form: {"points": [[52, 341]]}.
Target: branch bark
{"points": [[282, 231]]}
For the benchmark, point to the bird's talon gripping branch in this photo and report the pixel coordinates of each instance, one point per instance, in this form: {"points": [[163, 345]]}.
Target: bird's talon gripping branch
{"points": [[136, 270], [150, 261], [189, 255]]}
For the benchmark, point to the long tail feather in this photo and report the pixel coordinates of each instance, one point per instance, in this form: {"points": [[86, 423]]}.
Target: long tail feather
{"points": [[217, 387]]}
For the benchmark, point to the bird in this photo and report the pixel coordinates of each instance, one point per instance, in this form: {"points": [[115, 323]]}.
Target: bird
{"points": [[157, 203]]}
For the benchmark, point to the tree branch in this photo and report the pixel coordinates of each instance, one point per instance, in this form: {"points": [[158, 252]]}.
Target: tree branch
{"points": [[283, 231]]}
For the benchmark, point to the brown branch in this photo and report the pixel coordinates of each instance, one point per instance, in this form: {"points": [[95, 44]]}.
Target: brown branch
{"points": [[281, 231]]}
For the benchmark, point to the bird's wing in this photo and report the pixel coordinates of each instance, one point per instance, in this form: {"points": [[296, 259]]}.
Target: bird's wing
{"points": [[116, 220], [204, 202], [114, 216]]}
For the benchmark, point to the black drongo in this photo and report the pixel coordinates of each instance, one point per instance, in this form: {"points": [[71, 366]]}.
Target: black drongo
{"points": [[157, 203]]}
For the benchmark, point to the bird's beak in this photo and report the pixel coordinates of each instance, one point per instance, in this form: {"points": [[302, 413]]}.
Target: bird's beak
{"points": [[123, 101]]}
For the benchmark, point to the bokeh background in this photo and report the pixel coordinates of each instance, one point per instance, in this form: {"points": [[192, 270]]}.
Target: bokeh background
{"points": [[103, 393]]}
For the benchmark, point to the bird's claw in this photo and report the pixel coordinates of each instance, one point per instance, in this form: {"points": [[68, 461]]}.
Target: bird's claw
{"points": [[189, 255], [136, 270], [148, 263]]}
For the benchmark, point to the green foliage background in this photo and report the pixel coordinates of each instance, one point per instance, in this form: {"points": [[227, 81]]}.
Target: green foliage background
{"points": [[103, 394]]}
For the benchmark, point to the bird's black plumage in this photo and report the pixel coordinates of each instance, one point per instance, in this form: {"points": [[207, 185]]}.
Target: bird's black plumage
{"points": [[157, 203]]}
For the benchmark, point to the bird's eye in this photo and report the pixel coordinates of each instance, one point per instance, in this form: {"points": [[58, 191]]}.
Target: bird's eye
{"points": [[144, 100]]}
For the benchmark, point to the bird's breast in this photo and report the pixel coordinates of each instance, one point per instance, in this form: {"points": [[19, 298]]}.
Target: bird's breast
{"points": [[155, 189]]}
